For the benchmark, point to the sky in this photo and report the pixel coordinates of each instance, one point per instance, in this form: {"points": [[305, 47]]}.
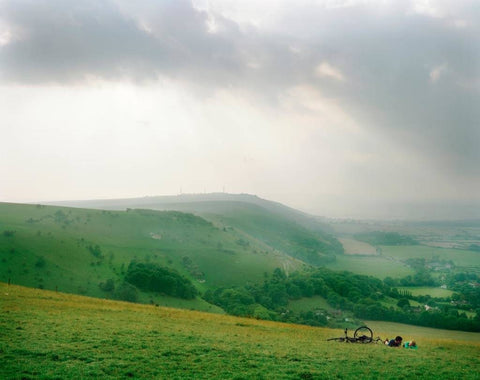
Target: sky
{"points": [[341, 108]]}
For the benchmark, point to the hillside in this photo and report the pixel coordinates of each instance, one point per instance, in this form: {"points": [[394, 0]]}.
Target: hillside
{"points": [[182, 260], [79, 250], [277, 226], [44, 334]]}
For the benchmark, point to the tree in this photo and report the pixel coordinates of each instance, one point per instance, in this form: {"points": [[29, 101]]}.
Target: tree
{"points": [[403, 302]]}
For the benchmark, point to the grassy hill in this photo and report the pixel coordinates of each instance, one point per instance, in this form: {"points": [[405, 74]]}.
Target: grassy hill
{"points": [[76, 250], [277, 226], [44, 335]]}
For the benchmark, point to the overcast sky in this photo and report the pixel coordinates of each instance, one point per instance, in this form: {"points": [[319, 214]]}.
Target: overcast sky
{"points": [[337, 107]]}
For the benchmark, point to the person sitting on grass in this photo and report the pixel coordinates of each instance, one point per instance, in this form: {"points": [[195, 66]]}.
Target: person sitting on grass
{"points": [[412, 344], [397, 342]]}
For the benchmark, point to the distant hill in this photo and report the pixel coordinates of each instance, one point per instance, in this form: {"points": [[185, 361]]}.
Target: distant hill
{"points": [[87, 251], [212, 240], [293, 232]]}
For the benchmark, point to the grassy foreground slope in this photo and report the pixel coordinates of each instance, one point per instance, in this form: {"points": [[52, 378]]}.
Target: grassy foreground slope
{"points": [[44, 334]]}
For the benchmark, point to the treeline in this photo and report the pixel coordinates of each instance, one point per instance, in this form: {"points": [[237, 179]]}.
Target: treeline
{"points": [[385, 238], [155, 278], [421, 277], [357, 295], [467, 288], [270, 299]]}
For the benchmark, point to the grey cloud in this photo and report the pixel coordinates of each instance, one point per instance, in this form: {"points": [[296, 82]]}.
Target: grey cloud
{"points": [[63, 41], [386, 57]]}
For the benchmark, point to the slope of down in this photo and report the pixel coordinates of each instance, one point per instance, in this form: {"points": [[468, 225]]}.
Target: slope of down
{"points": [[51, 335], [77, 250]]}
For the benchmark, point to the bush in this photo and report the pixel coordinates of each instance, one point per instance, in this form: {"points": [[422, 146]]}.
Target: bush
{"points": [[107, 286], [127, 292], [155, 278], [40, 263]]}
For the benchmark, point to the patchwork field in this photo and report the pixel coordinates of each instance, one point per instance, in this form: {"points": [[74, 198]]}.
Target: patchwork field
{"points": [[377, 266], [45, 335], [461, 258], [356, 247], [427, 290]]}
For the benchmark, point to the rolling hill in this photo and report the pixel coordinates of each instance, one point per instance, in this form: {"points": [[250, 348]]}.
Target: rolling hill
{"points": [[79, 250], [282, 228]]}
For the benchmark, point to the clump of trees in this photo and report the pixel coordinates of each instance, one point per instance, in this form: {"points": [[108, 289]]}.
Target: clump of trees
{"points": [[155, 278], [126, 292], [357, 295], [341, 289]]}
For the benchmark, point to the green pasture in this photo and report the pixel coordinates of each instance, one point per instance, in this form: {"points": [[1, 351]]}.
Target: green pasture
{"points": [[46, 335], [427, 291], [356, 247], [392, 302], [461, 258], [376, 266]]}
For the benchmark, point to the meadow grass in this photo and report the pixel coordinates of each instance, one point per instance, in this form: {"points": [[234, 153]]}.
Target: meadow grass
{"points": [[46, 335], [356, 247], [461, 258], [377, 266], [427, 290]]}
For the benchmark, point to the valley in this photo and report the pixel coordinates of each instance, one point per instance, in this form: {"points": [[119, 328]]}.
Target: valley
{"points": [[246, 256]]}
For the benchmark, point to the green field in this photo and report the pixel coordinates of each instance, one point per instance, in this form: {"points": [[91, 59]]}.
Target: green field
{"points": [[427, 290], [461, 258], [47, 335], [356, 247], [376, 266]]}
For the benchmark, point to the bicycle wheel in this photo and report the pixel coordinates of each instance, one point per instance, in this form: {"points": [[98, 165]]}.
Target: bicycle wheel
{"points": [[363, 334]]}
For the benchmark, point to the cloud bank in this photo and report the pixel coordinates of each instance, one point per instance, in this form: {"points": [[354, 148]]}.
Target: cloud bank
{"points": [[404, 74]]}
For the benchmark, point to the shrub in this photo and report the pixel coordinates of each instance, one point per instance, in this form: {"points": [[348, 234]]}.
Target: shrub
{"points": [[127, 292], [40, 263], [107, 286], [155, 278]]}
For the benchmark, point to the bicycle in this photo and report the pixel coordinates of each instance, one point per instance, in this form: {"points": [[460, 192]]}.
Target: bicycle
{"points": [[363, 334]]}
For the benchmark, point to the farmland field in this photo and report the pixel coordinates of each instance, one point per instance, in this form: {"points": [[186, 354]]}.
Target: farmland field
{"points": [[461, 258], [52, 335], [356, 247], [427, 290], [376, 266]]}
